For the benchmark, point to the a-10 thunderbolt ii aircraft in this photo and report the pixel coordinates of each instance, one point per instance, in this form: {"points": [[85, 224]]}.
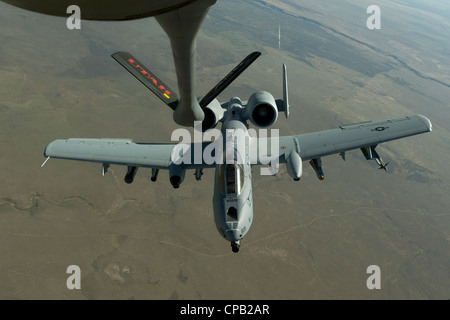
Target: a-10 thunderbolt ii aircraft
{"points": [[236, 148]]}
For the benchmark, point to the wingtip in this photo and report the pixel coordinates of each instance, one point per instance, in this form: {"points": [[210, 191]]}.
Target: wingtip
{"points": [[427, 122]]}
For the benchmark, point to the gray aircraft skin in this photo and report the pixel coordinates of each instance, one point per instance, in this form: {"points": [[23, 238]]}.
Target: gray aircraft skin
{"points": [[232, 199]]}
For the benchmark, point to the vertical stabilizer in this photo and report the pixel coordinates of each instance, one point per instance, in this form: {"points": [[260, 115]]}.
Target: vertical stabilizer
{"points": [[283, 104], [285, 92]]}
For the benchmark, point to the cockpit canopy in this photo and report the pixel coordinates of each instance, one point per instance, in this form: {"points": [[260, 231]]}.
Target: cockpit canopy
{"points": [[231, 178]]}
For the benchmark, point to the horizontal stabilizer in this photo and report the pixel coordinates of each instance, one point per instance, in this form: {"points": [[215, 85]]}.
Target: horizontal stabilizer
{"points": [[225, 82], [285, 92], [149, 79]]}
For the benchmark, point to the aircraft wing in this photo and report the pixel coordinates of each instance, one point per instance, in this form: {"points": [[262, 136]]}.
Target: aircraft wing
{"points": [[126, 152], [111, 151], [291, 149], [365, 136]]}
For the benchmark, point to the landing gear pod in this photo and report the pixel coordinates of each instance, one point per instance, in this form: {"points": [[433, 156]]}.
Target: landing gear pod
{"points": [[294, 165], [176, 174]]}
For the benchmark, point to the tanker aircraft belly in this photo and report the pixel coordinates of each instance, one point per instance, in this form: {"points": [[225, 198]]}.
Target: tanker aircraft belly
{"points": [[232, 157]]}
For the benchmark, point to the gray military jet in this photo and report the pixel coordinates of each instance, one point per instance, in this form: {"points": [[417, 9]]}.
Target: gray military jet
{"points": [[236, 147]]}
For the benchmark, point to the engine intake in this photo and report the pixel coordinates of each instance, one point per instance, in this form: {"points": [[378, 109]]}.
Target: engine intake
{"points": [[262, 109]]}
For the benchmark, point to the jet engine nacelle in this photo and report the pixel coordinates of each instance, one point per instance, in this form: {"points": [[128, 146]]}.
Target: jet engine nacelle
{"points": [[262, 109], [176, 174], [213, 114], [294, 165]]}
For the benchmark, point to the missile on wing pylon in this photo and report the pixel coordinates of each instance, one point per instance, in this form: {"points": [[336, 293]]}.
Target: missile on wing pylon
{"points": [[317, 166]]}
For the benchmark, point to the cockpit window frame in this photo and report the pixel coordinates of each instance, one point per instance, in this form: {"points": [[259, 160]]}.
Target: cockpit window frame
{"points": [[228, 185]]}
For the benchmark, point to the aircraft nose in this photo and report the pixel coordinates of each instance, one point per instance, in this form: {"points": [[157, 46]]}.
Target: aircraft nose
{"points": [[233, 235]]}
